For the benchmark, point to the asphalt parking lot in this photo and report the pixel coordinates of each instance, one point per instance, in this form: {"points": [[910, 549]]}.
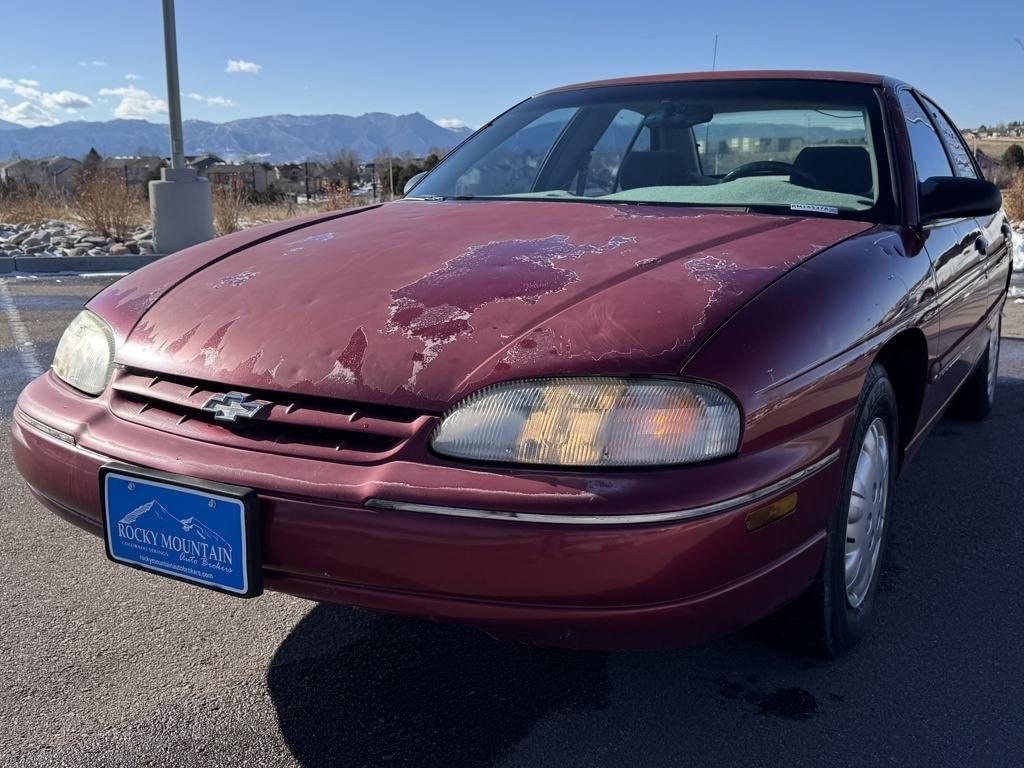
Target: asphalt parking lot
{"points": [[102, 665]]}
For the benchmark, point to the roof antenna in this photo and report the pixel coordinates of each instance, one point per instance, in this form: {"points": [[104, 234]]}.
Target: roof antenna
{"points": [[707, 126]]}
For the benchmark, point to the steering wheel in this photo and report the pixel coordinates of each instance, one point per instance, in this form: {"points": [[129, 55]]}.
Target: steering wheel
{"points": [[774, 168]]}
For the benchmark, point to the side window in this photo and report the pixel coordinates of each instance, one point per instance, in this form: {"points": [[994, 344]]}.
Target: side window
{"points": [[929, 156], [960, 154], [606, 156], [511, 167]]}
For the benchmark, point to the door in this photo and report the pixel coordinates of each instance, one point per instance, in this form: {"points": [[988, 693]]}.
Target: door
{"points": [[957, 249], [993, 243]]}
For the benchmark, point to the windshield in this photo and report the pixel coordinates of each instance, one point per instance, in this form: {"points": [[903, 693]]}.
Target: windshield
{"points": [[809, 146]]}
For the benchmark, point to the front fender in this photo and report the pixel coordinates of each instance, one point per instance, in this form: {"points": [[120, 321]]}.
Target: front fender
{"points": [[796, 354]]}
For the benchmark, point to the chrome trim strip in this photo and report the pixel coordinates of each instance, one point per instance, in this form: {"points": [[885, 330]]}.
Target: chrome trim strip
{"points": [[654, 517], [46, 429]]}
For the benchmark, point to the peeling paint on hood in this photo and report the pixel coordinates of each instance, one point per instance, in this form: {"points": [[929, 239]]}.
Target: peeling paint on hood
{"points": [[418, 303]]}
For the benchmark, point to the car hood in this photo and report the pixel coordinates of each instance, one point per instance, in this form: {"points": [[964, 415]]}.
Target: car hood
{"points": [[417, 303]]}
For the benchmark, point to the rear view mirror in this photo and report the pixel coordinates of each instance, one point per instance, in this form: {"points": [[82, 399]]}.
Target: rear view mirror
{"points": [[678, 114], [946, 197]]}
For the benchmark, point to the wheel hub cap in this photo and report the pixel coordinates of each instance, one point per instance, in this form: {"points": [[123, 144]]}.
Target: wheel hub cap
{"points": [[993, 360], [868, 503]]}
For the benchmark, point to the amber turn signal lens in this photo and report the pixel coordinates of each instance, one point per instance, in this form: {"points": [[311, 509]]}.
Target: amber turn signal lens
{"points": [[777, 510]]}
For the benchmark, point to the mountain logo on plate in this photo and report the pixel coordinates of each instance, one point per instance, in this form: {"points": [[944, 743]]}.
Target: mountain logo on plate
{"points": [[184, 538]]}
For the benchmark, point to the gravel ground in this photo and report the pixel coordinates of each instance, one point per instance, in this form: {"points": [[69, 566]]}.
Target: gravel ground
{"points": [[107, 666]]}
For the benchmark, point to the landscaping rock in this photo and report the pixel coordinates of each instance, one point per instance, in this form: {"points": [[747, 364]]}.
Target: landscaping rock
{"points": [[21, 237], [119, 249], [146, 246]]}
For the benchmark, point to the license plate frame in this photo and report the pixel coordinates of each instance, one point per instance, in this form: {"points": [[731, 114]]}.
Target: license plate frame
{"points": [[210, 536]]}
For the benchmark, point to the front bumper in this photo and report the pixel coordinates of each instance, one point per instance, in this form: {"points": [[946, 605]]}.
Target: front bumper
{"points": [[574, 581]]}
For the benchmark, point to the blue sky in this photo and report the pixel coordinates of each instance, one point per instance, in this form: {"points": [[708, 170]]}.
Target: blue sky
{"points": [[467, 61]]}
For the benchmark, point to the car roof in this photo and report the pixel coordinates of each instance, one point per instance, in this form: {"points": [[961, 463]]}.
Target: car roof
{"points": [[754, 74]]}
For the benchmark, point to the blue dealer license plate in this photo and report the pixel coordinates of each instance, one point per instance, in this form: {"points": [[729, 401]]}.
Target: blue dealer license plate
{"points": [[198, 532]]}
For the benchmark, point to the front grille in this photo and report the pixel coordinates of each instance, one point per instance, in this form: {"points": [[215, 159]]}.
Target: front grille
{"points": [[322, 428]]}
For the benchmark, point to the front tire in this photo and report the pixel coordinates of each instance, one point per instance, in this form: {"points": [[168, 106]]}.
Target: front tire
{"points": [[836, 611]]}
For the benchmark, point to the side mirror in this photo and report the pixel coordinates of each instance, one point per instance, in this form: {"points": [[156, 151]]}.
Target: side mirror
{"points": [[413, 182], [947, 197]]}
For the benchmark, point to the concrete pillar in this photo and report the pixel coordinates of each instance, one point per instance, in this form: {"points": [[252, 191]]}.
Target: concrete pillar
{"points": [[181, 204]]}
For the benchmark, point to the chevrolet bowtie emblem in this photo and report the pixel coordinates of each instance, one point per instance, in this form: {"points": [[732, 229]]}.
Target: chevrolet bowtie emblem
{"points": [[232, 406]]}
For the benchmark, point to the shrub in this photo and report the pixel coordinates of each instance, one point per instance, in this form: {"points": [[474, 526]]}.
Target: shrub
{"points": [[29, 205], [1013, 157], [1013, 198], [337, 197], [106, 205], [228, 203]]}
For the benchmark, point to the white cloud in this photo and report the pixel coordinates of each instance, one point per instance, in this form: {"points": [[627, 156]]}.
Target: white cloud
{"points": [[451, 122], [24, 91], [92, 63], [66, 100], [26, 113], [37, 106], [236, 66], [135, 103], [132, 76], [212, 101]]}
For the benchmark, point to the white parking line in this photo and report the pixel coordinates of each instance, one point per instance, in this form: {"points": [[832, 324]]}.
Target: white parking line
{"points": [[26, 349]]}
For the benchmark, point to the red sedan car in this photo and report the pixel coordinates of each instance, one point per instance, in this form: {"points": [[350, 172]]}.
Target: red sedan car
{"points": [[636, 365]]}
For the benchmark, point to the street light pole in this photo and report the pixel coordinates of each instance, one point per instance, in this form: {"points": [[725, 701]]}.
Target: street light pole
{"points": [[180, 203], [173, 89]]}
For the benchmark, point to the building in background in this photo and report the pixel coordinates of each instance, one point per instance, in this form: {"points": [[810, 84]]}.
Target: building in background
{"points": [[136, 171], [252, 177], [55, 172]]}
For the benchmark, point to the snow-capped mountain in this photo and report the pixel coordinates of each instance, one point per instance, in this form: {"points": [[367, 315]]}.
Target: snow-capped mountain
{"points": [[275, 139]]}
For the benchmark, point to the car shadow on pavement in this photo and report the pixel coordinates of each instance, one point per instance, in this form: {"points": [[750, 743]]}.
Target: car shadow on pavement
{"points": [[353, 688], [407, 692]]}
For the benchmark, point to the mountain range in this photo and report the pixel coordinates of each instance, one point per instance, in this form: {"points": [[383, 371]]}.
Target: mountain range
{"points": [[274, 138]]}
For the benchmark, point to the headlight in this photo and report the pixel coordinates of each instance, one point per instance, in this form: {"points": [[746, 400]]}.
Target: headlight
{"points": [[591, 422], [85, 354]]}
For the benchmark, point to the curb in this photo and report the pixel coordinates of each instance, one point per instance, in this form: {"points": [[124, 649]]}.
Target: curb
{"points": [[80, 264]]}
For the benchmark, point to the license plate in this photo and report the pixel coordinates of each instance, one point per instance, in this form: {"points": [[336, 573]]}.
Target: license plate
{"points": [[194, 531]]}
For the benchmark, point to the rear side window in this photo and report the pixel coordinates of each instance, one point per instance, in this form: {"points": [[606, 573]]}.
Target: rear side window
{"points": [[929, 155], [960, 154]]}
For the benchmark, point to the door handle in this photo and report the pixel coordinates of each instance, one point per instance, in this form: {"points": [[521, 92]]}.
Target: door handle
{"points": [[981, 246]]}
